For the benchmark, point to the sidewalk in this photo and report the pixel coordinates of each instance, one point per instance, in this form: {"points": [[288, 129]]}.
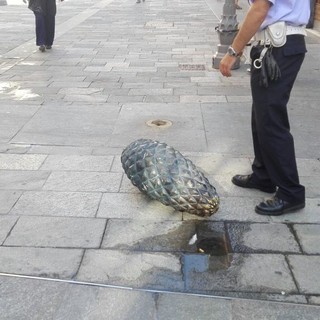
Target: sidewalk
{"points": [[87, 244]]}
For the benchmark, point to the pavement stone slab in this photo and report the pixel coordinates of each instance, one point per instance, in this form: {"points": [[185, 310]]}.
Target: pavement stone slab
{"points": [[180, 139], [81, 91], [90, 99], [201, 99], [303, 149], [243, 310], [135, 206], [216, 164], [226, 188], [311, 183], [83, 181], [42, 262], [77, 163], [282, 297], [266, 273], [245, 99], [152, 92], [70, 125], [6, 224], [262, 237], [21, 161], [142, 235], [169, 109], [51, 203], [60, 150], [314, 300], [30, 299], [180, 307], [22, 180], [237, 272], [306, 272], [7, 200], [133, 269], [39, 299], [57, 232], [124, 99], [11, 148], [138, 85], [93, 303], [13, 117], [308, 167], [168, 99], [100, 151], [229, 144], [309, 237], [69, 84], [116, 164]]}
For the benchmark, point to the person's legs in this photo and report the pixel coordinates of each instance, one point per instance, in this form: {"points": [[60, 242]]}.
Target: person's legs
{"points": [[260, 174], [274, 145], [50, 30], [259, 179], [40, 29]]}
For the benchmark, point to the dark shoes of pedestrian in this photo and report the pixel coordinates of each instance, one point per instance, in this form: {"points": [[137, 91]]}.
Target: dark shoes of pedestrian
{"points": [[42, 48], [277, 207], [48, 47], [246, 181]]}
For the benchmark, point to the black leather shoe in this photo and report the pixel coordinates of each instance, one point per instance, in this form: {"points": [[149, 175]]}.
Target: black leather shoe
{"points": [[277, 207], [245, 181]]}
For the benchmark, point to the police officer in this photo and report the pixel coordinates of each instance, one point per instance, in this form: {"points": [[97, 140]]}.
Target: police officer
{"points": [[274, 169]]}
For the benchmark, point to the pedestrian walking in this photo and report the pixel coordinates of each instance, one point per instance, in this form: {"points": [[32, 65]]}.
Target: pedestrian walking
{"points": [[45, 12], [278, 28]]}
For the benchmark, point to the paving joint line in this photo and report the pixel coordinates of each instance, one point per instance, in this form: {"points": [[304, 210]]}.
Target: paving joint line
{"points": [[154, 291]]}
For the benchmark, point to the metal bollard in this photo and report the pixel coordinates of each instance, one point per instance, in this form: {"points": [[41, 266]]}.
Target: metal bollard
{"points": [[227, 30]]}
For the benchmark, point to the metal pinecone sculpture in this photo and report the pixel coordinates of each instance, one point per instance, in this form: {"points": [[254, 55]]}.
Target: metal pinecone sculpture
{"points": [[165, 175]]}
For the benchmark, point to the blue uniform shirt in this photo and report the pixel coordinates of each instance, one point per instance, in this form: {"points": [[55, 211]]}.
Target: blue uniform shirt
{"points": [[294, 12]]}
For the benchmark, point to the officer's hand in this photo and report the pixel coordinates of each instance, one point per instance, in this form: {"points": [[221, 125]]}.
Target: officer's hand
{"points": [[226, 64]]}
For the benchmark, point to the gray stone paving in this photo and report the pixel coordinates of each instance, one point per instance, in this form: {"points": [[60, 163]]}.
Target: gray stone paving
{"points": [[50, 203], [46, 262], [309, 237], [68, 212]]}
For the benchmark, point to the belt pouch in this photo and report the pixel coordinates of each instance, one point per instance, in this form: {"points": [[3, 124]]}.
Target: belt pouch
{"points": [[276, 32]]}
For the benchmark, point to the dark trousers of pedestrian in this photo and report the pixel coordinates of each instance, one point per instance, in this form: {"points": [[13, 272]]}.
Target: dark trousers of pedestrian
{"points": [[45, 28], [275, 161]]}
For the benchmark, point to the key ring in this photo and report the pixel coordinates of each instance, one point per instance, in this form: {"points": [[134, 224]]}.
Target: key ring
{"points": [[258, 62]]}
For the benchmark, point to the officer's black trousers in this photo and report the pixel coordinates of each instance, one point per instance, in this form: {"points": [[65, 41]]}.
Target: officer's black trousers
{"points": [[275, 161], [45, 28]]}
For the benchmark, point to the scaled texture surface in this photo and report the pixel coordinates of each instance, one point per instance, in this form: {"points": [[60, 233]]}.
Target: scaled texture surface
{"points": [[164, 174]]}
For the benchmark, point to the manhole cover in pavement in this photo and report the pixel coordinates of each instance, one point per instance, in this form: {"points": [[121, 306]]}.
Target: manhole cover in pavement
{"points": [[159, 123]]}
